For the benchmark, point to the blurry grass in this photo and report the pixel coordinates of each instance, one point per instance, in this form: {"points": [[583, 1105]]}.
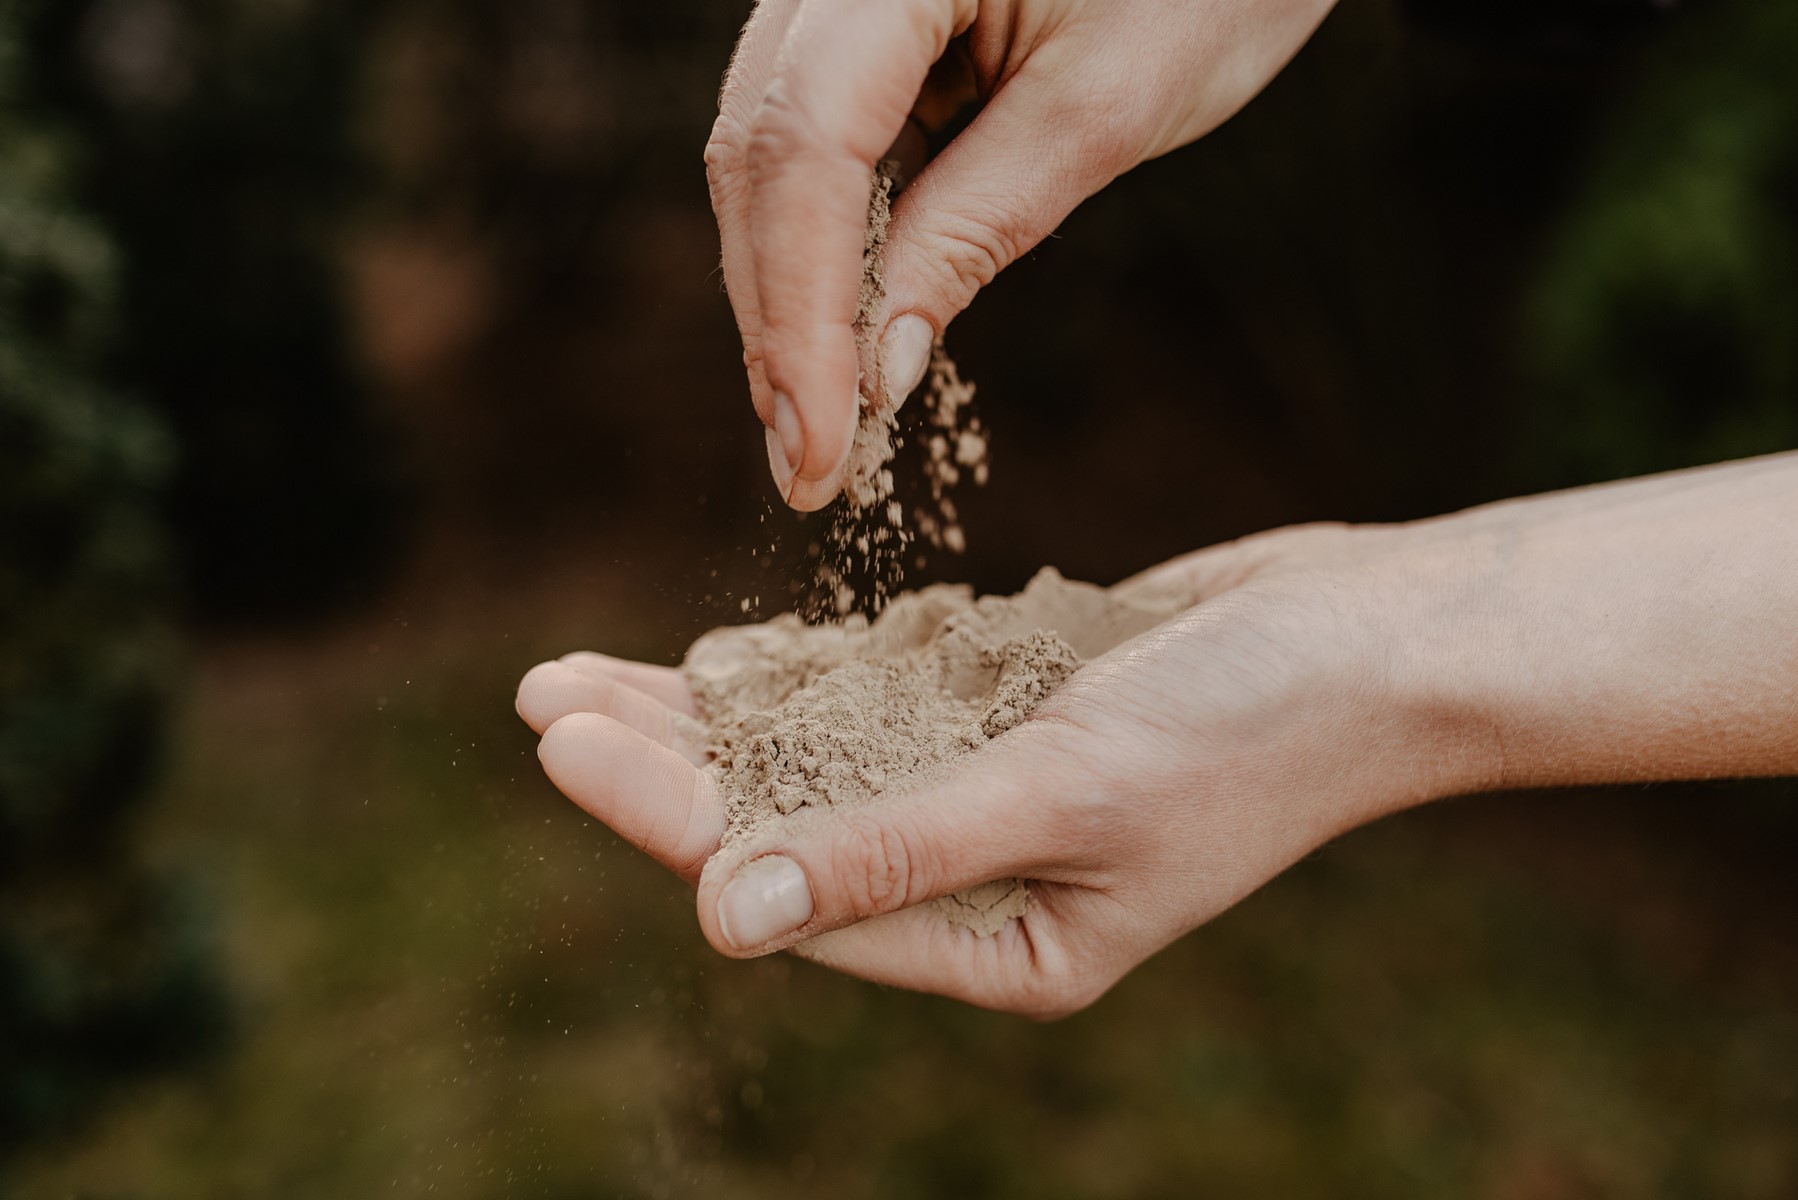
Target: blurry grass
{"points": [[453, 984]]}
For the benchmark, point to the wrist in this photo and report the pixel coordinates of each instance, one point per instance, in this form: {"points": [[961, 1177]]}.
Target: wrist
{"points": [[1369, 629], [1436, 588], [1633, 632]]}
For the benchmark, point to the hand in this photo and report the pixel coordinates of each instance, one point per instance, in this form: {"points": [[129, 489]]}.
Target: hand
{"points": [[1073, 94], [1164, 782], [1323, 676]]}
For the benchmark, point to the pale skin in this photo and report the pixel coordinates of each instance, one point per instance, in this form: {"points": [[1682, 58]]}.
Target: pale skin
{"points": [[1073, 93], [1319, 678]]}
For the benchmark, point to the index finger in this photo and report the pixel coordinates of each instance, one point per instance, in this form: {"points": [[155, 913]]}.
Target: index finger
{"points": [[846, 79]]}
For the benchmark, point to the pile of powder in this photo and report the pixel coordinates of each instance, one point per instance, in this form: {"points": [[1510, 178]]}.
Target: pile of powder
{"points": [[869, 534], [801, 716]]}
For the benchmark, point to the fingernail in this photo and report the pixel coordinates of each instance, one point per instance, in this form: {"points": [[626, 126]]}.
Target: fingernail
{"points": [[777, 465], [767, 898], [905, 354], [789, 430]]}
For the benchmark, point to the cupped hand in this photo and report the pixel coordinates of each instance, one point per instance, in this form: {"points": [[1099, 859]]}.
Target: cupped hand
{"points": [[1320, 677], [1072, 94], [1164, 782]]}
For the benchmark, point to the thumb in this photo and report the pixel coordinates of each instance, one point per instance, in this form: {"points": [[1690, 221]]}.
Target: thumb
{"points": [[1037, 149], [824, 869]]}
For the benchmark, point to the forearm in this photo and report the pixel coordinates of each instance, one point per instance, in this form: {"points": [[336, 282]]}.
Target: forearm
{"points": [[1638, 631]]}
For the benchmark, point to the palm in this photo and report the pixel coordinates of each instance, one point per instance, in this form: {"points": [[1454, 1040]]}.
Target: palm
{"points": [[613, 743], [1161, 784]]}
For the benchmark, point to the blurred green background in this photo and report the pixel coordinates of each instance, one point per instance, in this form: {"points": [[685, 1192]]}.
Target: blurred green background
{"points": [[357, 354]]}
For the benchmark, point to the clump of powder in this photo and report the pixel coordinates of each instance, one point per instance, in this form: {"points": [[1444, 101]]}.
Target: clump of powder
{"points": [[797, 717], [869, 535]]}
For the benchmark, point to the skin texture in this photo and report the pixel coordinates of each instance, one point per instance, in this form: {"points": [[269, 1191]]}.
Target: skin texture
{"points": [[1322, 677], [1071, 94]]}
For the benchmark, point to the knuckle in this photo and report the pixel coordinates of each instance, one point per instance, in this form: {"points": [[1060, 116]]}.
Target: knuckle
{"points": [[725, 157], [779, 132], [877, 867], [973, 250], [791, 124]]}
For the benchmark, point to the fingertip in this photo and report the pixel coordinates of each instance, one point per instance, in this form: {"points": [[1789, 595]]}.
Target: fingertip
{"points": [[764, 901], [796, 448], [800, 489], [828, 436], [538, 694], [807, 496], [778, 464], [567, 742], [905, 354], [665, 684], [765, 866], [648, 794], [809, 233], [789, 433]]}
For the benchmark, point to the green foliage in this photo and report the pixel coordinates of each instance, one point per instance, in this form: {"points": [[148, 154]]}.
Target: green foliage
{"points": [[99, 977], [1663, 328]]}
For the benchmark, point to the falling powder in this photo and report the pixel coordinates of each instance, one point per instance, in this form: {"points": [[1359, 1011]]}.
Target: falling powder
{"points": [[868, 537]]}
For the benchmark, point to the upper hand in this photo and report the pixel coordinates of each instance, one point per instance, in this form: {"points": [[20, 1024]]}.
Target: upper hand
{"points": [[1072, 95]]}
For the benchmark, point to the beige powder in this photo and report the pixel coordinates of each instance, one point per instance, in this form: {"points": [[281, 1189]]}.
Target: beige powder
{"points": [[799, 716]]}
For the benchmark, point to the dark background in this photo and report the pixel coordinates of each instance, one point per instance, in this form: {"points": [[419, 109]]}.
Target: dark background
{"points": [[356, 356]]}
